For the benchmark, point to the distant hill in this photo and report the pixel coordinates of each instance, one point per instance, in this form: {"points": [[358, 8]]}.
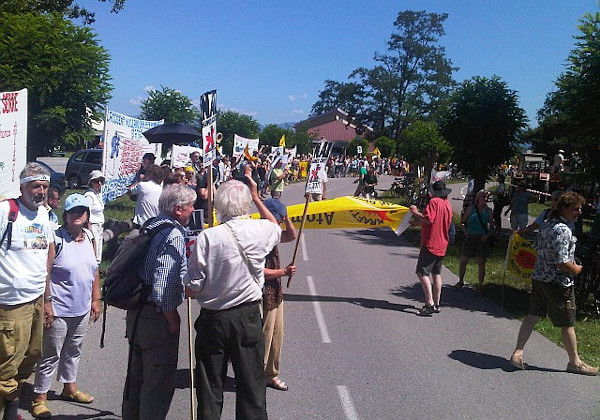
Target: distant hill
{"points": [[285, 126]]}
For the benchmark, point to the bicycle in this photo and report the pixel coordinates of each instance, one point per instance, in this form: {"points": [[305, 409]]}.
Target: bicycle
{"points": [[588, 281]]}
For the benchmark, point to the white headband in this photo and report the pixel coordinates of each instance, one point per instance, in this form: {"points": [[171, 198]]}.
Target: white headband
{"points": [[38, 177]]}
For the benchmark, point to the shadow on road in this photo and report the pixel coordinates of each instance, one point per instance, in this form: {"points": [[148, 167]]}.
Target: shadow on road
{"points": [[490, 361], [384, 236], [364, 302]]}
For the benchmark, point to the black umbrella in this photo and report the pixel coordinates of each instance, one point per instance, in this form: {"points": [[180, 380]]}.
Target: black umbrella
{"points": [[170, 133]]}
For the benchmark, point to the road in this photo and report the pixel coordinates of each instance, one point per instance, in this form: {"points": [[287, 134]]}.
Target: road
{"points": [[355, 349]]}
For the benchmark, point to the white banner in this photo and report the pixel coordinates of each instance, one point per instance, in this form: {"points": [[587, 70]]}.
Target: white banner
{"points": [[316, 176], [180, 155], [13, 141], [239, 144], [124, 146], [439, 175], [292, 152]]}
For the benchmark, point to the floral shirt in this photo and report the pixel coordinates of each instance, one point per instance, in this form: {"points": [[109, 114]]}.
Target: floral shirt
{"points": [[555, 245]]}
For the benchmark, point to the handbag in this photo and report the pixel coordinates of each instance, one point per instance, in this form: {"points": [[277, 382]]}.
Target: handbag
{"points": [[491, 239]]}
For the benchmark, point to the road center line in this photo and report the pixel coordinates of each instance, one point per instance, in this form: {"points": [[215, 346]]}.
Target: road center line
{"points": [[318, 313], [347, 404]]}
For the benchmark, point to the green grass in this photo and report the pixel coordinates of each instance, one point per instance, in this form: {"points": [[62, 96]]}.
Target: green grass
{"points": [[510, 292]]}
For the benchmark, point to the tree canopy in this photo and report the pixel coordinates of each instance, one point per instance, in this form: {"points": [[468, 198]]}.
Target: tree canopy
{"points": [[68, 8], [65, 70], [170, 105], [423, 145], [482, 125], [411, 80], [230, 123]]}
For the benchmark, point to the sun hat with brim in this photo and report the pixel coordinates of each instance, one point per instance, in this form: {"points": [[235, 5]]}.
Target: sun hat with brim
{"points": [[96, 175], [76, 200], [438, 189], [276, 207]]}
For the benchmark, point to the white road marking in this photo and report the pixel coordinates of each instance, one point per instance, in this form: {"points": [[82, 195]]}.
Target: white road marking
{"points": [[318, 313], [347, 404], [304, 250]]}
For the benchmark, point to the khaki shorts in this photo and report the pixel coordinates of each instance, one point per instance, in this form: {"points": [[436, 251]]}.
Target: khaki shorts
{"points": [[428, 263], [554, 300]]}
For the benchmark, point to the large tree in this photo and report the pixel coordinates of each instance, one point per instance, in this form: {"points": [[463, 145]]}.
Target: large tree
{"points": [[65, 70], [423, 145], [571, 114], [411, 81], [483, 125], [170, 105], [67, 8], [230, 123]]}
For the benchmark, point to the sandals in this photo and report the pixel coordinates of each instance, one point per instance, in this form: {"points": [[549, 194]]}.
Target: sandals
{"points": [[517, 361], [277, 384], [40, 410], [78, 397]]}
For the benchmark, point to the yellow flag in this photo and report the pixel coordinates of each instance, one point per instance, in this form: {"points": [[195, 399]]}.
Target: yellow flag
{"points": [[282, 141], [248, 155], [520, 257], [377, 152], [350, 213]]}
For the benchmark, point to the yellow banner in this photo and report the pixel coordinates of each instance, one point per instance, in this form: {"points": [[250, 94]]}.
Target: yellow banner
{"points": [[520, 257], [303, 168], [350, 213]]}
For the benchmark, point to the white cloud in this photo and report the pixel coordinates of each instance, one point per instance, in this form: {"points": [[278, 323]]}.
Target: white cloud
{"points": [[304, 97], [136, 101], [301, 97], [292, 98], [149, 88], [297, 112]]}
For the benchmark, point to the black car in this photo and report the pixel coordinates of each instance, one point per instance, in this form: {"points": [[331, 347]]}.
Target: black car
{"points": [[80, 165], [57, 179]]}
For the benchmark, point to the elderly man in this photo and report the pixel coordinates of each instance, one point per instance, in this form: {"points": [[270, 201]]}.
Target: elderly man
{"points": [[26, 253], [153, 331], [226, 275], [552, 283], [147, 194]]}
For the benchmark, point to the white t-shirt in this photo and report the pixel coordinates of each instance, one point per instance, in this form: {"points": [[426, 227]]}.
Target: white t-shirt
{"points": [[146, 206], [96, 206], [23, 266], [218, 275]]}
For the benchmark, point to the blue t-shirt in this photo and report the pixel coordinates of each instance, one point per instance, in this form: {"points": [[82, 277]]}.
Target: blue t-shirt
{"points": [[474, 226]]}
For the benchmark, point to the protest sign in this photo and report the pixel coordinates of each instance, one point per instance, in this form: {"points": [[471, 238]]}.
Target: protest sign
{"points": [[240, 143], [208, 109], [13, 141], [180, 155], [521, 257], [124, 147]]}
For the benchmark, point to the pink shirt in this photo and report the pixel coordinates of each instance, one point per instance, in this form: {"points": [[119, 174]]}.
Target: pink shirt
{"points": [[434, 235]]}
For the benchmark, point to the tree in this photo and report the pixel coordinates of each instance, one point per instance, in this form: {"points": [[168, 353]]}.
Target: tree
{"points": [[423, 145], [571, 114], [230, 123], [67, 8], [410, 82], [170, 105], [271, 134], [66, 72], [483, 124], [351, 149], [386, 146]]}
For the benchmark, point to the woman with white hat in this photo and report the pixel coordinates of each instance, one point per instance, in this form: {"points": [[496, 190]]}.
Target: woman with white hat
{"points": [[96, 203]]}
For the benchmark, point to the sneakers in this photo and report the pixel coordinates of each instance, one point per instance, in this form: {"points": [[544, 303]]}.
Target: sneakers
{"points": [[426, 311], [436, 309], [582, 369]]}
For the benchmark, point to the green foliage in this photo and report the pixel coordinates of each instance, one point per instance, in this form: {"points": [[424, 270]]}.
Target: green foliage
{"points": [[386, 146], [483, 123], [67, 8], [170, 105], [411, 81], [423, 144], [571, 114], [65, 70], [230, 123], [271, 134], [351, 148]]}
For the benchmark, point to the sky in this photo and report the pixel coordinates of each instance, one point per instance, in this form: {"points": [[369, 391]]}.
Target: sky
{"points": [[270, 58]]}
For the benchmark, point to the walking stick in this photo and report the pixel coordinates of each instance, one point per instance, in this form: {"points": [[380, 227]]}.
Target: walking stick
{"points": [[299, 236], [190, 341]]}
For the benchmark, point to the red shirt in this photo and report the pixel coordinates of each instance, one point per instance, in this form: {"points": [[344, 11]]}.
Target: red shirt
{"points": [[434, 235]]}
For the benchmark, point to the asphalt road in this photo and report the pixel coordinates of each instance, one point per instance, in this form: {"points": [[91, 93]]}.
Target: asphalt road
{"points": [[355, 349]]}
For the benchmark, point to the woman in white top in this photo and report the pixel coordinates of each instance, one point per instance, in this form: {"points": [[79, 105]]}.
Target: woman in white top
{"points": [[74, 294], [96, 204]]}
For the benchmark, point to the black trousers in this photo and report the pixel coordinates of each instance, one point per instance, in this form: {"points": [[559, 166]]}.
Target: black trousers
{"points": [[233, 334]]}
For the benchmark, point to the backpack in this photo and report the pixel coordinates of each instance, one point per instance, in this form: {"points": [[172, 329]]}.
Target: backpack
{"points": [[58, 245], [13, 212], [123, 288]]}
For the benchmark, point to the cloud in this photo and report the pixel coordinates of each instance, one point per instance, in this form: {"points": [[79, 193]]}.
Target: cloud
{"points": [[136, 101], [294, 98], [148, 88], [297, 112]]}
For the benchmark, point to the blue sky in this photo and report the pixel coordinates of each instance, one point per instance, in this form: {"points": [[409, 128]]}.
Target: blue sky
{"points": [[269, 59]]}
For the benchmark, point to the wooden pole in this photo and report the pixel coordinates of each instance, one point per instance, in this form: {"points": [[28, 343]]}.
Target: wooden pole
{"points": [[211, 194], [299, 236], [191, 351]]}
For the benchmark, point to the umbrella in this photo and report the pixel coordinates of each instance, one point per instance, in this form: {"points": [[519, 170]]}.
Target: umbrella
{"points": [[172, 133]]}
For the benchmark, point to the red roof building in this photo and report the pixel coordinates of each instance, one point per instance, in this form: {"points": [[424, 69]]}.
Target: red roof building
{"points": [[334, 126]]}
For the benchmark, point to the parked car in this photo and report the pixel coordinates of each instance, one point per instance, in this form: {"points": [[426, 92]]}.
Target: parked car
{"points": [[80, 165], [57, 179]]}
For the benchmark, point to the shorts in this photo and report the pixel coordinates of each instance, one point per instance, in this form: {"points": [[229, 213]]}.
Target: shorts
{"points": [[554, 300], [428, 263], [473, 246]]}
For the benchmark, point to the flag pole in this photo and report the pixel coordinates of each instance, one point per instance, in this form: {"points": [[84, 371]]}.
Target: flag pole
{"points": [[299, 236], [510, 240]]}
